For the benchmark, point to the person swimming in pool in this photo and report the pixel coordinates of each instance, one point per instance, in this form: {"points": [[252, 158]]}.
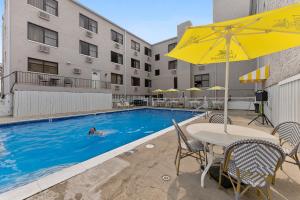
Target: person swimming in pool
{"points": [[93, 131]]}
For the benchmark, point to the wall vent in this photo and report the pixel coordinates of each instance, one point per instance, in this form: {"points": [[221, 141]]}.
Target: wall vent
{"points": [[148, 59], [174, 71], [136, 89], [135, 53], [148, 74], [136, 72], [89, 34], [44, 16], [76, 71], [201, 67], [44, 49], [117, 67], [89, 60], [117, 88]]}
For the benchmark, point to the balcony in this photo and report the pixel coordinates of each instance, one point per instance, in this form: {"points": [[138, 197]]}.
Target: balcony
{"points": [[49, 80]]}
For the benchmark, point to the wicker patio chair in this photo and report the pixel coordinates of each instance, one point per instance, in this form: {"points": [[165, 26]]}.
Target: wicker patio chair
{"points": [[289, 132], [252, 163], [186, 147], [219, 119]]}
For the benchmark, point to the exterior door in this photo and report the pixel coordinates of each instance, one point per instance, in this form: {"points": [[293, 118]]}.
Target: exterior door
{"points": [[96, 78]]}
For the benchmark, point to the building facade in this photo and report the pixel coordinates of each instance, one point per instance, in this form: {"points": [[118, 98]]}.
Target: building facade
{"points": [[71, 44]]}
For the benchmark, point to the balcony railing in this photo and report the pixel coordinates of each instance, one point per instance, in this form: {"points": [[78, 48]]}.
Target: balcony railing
{"points": [[40, 79]]}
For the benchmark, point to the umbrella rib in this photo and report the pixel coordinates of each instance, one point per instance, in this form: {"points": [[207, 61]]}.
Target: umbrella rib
{"points": [[212, 47], [236, 41], [273, 30]]}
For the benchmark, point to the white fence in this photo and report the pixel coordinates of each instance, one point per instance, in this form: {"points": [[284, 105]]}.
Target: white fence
{"points": [[284, 101], [33, 103]]}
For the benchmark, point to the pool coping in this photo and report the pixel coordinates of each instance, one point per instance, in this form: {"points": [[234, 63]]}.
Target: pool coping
{"points": [[28, 190]]}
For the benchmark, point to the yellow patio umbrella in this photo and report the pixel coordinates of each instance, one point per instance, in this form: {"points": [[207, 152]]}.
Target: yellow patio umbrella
{"points": [[194, 89], [240, 39], [216, 88], [172, 90], [158, 91]]}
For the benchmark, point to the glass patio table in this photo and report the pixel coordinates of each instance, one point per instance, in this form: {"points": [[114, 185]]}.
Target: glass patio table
{"points": [[213, 135]]}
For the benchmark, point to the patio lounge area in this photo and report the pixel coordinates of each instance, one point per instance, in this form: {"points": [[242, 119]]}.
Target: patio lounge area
{"points": [[150, 173]]}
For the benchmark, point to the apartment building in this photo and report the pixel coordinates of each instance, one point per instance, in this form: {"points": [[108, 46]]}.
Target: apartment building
{"points": [[66, 45], [63, 46]]}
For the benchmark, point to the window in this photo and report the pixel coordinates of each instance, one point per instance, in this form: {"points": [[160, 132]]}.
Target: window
{"points": [[135, 63], [157, 72], [171, 46], [172, 64], [135, 45], [175, 82], [148, 52], [88, 49], [43, 35], [202, 80], [116, 79], [117, 37], [157, 57], [147, 67], [116, 58], [35, 65], [135, 81], [88, 23], [49, 6], [148, 83]]}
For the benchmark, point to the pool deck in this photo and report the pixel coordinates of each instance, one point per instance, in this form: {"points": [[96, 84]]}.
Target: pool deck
{"points": [[137, 175]]}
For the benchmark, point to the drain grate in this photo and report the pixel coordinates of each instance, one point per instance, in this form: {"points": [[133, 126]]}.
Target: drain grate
{"points": [[166, 178]]}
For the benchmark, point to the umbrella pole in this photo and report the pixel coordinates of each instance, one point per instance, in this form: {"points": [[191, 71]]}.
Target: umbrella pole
{"points": [[228, 38]]}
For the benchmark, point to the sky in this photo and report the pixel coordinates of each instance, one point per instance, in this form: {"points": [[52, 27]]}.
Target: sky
{"points": [[152, 20]]}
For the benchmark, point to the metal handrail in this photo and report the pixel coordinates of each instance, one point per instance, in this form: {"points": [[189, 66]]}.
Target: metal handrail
{"points": [[52, 80]]}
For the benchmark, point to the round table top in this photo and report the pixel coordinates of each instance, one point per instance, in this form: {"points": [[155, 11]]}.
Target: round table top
{"points": [[214, 133]]}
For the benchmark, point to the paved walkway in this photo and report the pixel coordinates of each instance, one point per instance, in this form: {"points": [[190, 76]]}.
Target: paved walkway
{"points": [[138, 176]]}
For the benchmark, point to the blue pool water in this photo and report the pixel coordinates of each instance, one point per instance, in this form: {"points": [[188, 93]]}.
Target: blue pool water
{"points": [[31, 150]]}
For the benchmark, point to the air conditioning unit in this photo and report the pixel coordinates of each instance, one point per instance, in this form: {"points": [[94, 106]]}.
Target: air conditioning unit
{"points": [[117, 46], [117, 67], [136, 89], [76, 71], [44, 16], [148, 74], [44, 49], [117, 88], [89, 60], [89, 34], [201, 67], [136, 72], [174, 71], [136, 53]]}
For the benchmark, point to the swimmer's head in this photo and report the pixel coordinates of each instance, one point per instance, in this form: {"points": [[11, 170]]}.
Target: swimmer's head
{"points": [[92, 130]]}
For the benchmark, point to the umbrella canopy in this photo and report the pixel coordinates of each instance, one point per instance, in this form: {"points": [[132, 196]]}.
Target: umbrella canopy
{"points": [[216, 88], [172, 90], [158, 91], [256, 76], [240, 39], [193, 89]]}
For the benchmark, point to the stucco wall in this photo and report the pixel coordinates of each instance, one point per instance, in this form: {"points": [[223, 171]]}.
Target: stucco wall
{"points": [[283, 64]]}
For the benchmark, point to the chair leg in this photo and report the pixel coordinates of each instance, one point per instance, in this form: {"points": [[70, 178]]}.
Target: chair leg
{"points": [[178, 162], [297, 160], [176, 157]]}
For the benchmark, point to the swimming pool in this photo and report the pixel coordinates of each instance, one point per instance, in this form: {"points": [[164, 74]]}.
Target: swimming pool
{"points": [[29, 151]]}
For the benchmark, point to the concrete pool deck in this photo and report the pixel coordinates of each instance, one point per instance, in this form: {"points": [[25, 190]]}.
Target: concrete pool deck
{"points": [[137, 175]]}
